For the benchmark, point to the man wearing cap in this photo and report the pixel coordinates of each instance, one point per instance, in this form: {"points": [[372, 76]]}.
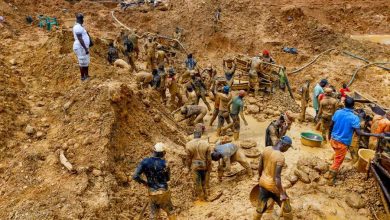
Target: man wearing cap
{"points": [[267, 57], [344, 123], [199, 160], [318, 89], [223, 111], [157, 175], [150, 50], [81, 45], [305, 97], [173, 88], [237, 107], [327, 108], [276, 129], [271, 163], [195, 113], [226, 153], [229, 68]]}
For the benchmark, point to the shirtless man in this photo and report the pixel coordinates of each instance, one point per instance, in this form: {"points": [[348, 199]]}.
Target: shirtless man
{"points": [[199, 87], [254, 74], [199, 161], [173, 88], [223, 115], [150, 50], [195, 113], [270, 181], [161, 56], [191, 95], [327, 108], [229, 68]]}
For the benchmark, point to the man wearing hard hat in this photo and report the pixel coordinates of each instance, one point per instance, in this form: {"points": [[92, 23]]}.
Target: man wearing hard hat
{"points": [[157, 174]]}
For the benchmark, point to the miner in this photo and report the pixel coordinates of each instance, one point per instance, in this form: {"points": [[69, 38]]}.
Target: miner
{"points": [[195, 113], [305, 97], [271, 163], [344, 123], [229, 68], [229, 152], [327, 108], [223, 115], [199, 162], [157, 175], [237, 111]]}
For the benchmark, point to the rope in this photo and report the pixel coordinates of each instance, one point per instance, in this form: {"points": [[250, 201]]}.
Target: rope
{"points": [[362, 67]]}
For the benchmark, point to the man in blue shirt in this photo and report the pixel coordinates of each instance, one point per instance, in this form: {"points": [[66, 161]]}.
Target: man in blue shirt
{"points": [[190, 62], [344, 123], [157, 174]]}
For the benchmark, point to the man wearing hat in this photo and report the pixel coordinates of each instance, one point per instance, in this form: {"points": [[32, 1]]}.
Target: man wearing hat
{"points": [[328, 106], [199, 160], [305, 97], [271, 163], [226, 152], [223, 114], [157, 173], [237, 108], [318, 89]]}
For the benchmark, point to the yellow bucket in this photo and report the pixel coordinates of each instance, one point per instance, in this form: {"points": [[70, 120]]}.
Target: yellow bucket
{"points": [[365, 155]]}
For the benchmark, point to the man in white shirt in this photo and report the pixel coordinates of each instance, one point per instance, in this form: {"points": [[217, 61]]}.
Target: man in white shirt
{"points": [[81, 45]]}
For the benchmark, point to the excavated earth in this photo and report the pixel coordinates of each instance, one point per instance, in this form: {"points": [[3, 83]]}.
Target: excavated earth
{"points": [[107, 125]]}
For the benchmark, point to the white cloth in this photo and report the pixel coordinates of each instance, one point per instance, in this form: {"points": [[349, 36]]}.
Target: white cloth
{"points": [[82, 57], [79, 29]]}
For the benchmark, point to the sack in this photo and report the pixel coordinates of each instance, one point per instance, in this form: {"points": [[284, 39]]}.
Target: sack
{"points": [[129, 46]]}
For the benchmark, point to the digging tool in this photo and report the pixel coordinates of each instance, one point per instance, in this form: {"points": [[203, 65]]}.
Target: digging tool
{"points": [[143, 211], [288, 85]]}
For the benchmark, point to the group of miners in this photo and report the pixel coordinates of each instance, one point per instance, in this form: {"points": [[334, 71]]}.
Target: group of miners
{"points": [[335, 116]]}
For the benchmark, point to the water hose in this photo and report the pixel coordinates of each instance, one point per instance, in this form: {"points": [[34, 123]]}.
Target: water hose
{"points": [[157, 35], [362, 67], [363, 59], [311, 62]]}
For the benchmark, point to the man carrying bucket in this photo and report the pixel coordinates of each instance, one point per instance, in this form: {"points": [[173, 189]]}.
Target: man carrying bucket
{"points": [[344, 123], [270, 181]]}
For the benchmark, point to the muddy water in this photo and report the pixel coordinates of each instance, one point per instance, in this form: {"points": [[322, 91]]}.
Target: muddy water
{"points": [[383, 39]]}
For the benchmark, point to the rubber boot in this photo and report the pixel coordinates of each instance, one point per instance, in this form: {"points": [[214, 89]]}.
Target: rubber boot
{"points": [[236, 136]]}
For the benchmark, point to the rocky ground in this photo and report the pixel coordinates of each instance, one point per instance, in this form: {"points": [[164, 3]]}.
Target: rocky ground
{"points": [[105, 126]]}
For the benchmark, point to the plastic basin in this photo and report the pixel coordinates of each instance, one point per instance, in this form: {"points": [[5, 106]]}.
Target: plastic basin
{"points": [[311, 139]]}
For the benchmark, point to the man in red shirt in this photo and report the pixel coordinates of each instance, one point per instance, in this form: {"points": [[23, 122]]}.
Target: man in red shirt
{"points": [[344, 90]]}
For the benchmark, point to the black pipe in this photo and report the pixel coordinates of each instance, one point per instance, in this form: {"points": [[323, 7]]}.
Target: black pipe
{"points": [[381, 184]]}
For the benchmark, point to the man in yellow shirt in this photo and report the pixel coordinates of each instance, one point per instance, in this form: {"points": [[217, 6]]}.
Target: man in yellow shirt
{"points": [[270, 181]]}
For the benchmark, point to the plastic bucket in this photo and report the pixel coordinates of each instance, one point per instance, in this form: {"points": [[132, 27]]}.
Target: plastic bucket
{"points": [[365, 155]]}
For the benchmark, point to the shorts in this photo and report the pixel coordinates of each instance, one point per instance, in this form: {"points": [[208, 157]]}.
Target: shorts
{"points": [[265, 195], [82, 57], [222, 117], [236, 122], [160, 200]]}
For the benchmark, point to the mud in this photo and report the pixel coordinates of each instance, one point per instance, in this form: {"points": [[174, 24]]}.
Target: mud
{"points": [[106, 126]]}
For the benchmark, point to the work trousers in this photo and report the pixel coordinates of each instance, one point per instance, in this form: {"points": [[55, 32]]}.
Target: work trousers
{"points": [[340, 150]]}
